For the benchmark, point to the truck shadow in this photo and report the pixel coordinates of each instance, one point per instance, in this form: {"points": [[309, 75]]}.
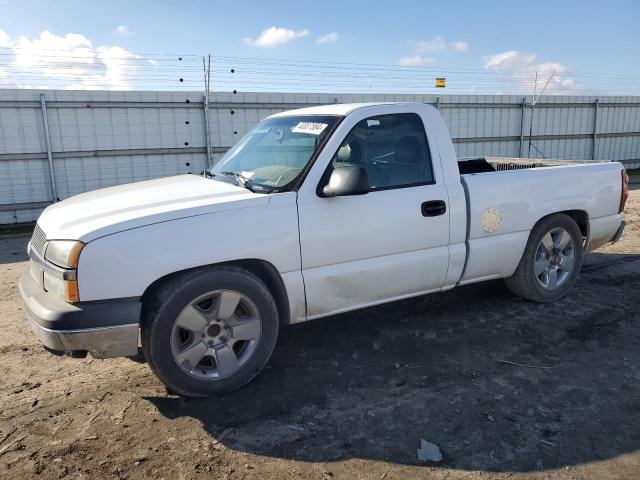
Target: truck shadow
{"points": [[500, 384]]}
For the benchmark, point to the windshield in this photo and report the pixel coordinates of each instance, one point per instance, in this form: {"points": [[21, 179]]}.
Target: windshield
{"points": [[275, 151]]}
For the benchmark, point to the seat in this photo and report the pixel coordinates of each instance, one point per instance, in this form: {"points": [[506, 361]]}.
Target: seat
{"points": [[350, 153], [409, 163]]}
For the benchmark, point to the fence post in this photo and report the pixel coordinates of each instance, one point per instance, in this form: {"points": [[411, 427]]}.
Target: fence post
{"points": [[52, 177], [205, 104], [595, 129], [523, 107], [207, 138]]}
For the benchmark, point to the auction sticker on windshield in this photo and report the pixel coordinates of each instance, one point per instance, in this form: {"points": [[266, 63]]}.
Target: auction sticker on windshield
{"points": [[314, 128]]}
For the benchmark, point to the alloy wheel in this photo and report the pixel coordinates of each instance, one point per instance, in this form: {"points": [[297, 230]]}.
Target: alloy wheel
{"points": [[555, 258], [216, 334]]}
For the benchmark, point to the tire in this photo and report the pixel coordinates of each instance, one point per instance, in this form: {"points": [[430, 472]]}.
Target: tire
{"points": [[193, 315], [545, 249]]}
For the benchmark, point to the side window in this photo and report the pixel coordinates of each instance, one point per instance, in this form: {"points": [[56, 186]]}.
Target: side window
{"points": [[391, 148]]}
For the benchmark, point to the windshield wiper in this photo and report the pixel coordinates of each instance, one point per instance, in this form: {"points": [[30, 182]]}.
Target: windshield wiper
{"points": [[207, 174], [241, 180], [246, 182]]}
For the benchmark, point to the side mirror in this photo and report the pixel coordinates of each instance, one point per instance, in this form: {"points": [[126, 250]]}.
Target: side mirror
{"points": [[348, 180]]}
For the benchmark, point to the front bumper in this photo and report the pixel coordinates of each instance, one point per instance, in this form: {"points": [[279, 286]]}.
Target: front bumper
{"points": [[103, 328]]}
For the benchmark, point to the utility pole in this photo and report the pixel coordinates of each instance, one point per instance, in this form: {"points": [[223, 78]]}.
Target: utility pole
{"points": [[534, 101], [52, 176], [207, 77]]}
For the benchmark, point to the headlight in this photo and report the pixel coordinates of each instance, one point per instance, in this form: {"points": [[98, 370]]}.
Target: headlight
{"points": [[63, 253], [55, 285], [67, 289]]}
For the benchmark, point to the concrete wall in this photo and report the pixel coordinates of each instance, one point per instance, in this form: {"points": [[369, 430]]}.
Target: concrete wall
{"points": [[103, 138]]}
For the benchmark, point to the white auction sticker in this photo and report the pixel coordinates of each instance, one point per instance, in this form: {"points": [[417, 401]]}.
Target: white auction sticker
{"points": [[314, 128]]}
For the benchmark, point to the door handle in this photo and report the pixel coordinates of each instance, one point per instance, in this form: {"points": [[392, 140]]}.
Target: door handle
{"points": [[433, 208]]}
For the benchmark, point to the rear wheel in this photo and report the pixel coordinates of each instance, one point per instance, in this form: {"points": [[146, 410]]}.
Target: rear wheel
{"points": [[551, 260], [210, 331]]}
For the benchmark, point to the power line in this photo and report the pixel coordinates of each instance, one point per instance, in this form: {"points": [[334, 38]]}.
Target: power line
{"points": [[163, 57], [268, 74]]}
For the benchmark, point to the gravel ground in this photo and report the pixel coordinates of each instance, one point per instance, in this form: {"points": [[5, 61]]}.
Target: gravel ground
{"points": [[351, 396]]}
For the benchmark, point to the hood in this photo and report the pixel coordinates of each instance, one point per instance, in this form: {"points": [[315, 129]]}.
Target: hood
{"points": [[102, 212]]}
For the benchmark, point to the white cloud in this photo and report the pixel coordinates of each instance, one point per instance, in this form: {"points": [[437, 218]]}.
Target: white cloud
{"points": [[274, 36], [70, 61], [5, 40], [460, 46], [118, 63], [328, 38], [415, 60], [519, 69], [436, 45], [439, 44], [508, 60], [123, 30]]}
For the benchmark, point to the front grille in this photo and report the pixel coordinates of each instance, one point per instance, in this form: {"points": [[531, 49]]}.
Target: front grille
{"points": [[37, 272], [38, 240]]}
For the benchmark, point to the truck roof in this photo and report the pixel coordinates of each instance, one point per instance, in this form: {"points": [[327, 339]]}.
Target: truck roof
{"points": [[341, 109]]}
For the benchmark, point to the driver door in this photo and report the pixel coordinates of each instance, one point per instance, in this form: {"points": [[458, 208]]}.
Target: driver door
{"points": [[387, 244]]}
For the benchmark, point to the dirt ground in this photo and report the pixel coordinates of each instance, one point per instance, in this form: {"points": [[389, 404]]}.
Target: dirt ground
{"points": [[351, 396]]}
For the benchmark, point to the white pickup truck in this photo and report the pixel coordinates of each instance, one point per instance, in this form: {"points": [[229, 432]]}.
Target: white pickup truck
{"points": [[314, 212]]}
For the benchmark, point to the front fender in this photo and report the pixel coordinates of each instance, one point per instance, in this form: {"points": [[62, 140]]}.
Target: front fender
{"points": [[124, 264]]}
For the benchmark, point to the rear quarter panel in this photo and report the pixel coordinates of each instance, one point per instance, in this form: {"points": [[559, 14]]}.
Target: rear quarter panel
{"points": [[522, 197]]}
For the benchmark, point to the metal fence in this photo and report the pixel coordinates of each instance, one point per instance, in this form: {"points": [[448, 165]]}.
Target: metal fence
{"points": [[54, 144]]}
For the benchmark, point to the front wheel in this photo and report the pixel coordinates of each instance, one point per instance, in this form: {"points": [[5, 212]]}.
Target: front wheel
{"points": [[210, 331], [551, 260]]}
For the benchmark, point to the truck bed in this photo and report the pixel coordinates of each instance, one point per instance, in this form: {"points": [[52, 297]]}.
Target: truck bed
{"points": [[502, 208], [497, 164]]}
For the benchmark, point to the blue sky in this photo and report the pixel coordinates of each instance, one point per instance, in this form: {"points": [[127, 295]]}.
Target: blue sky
{"points": [[484, 47]]}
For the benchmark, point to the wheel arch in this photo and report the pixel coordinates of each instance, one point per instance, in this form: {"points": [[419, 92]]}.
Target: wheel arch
{"points": [[522, 282], [262, 269], [579, 216]]}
